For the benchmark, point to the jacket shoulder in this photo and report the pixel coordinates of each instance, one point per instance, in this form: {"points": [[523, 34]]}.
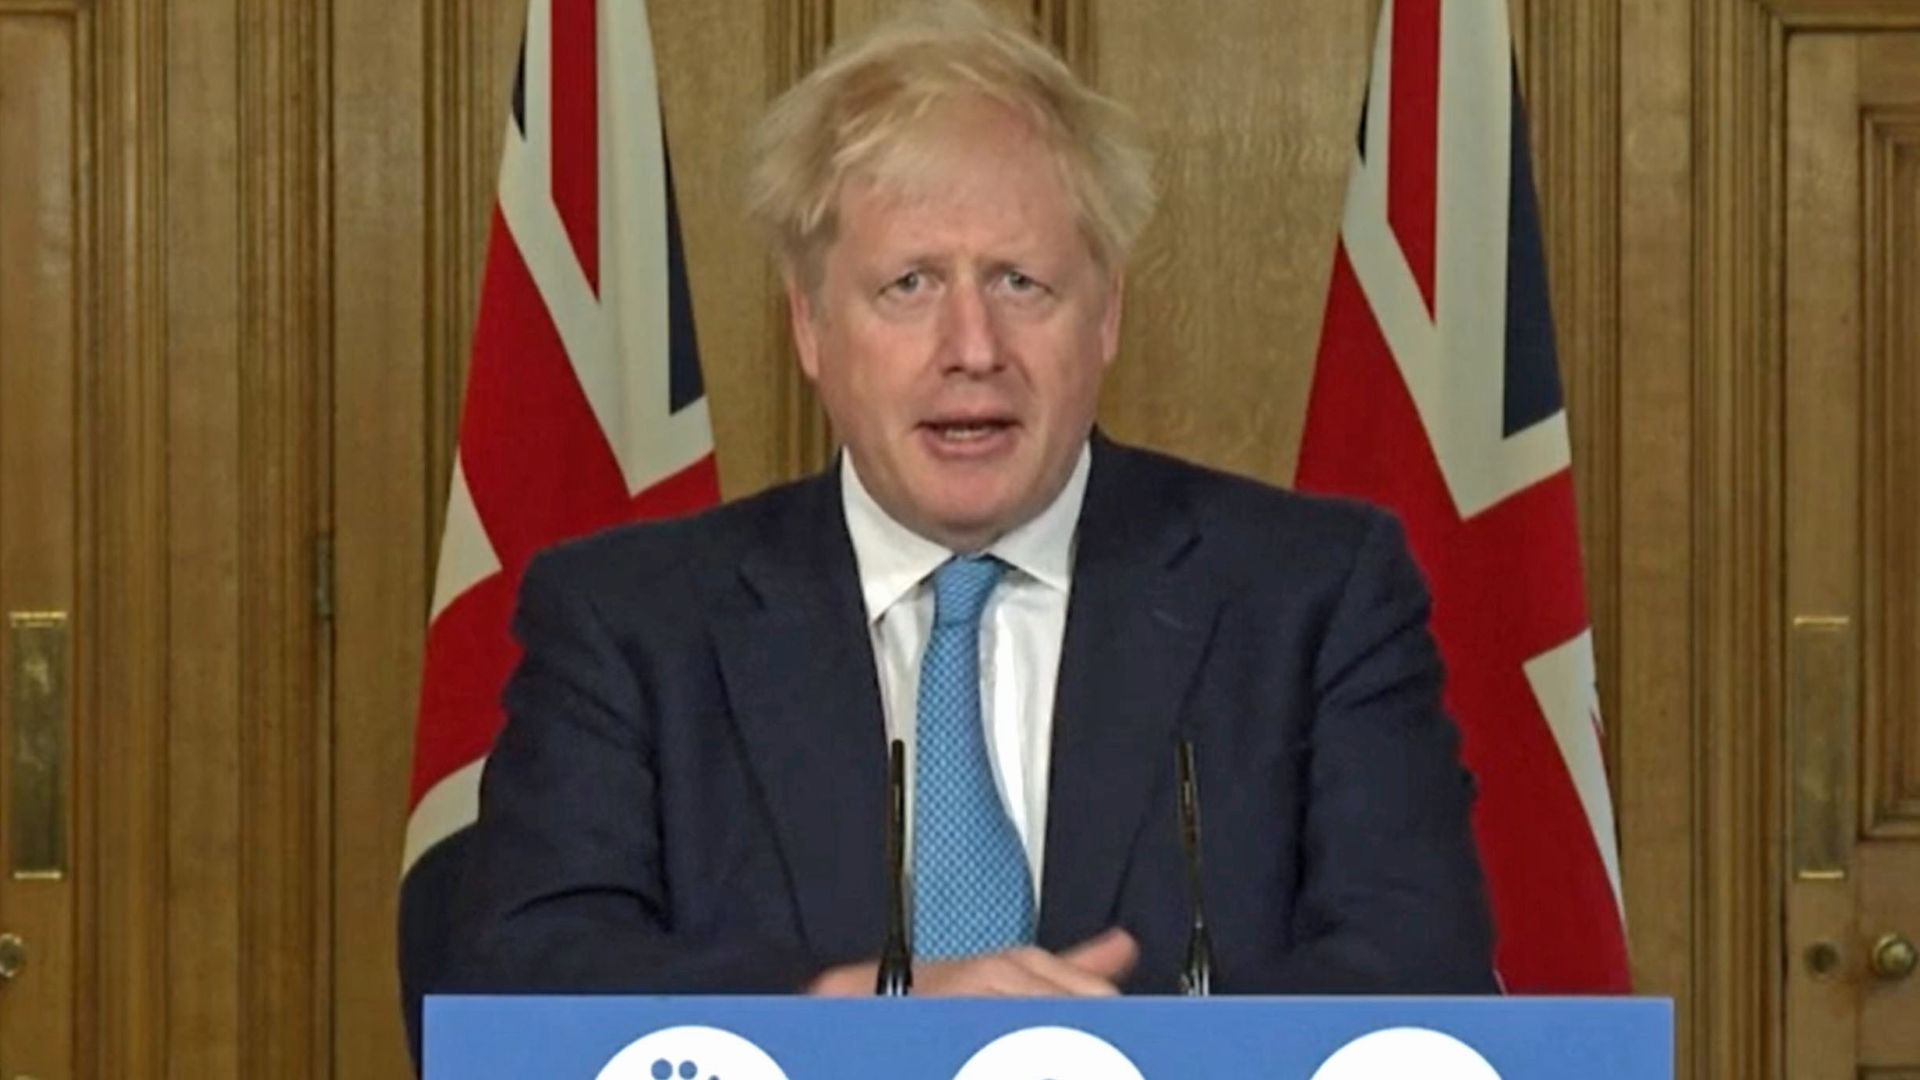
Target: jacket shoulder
{"points": [[690, 550], [1257, 518]]}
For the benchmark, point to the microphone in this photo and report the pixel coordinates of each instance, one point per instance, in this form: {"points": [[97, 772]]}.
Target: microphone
{"points": [[896, 956], [1196, 977]]}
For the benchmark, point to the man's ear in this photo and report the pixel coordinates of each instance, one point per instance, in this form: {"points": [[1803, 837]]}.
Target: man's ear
{"points": [[800, 314], [1110, 323]]}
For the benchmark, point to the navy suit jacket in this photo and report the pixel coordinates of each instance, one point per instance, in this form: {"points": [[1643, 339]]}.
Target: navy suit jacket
{"points": [[689, 794]]}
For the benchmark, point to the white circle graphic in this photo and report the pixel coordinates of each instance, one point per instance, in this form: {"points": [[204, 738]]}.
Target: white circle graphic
{"points": [[1048, 1053], [1406, 1054], [691, 1052]]}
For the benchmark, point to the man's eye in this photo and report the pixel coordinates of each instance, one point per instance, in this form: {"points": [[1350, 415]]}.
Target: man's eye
{"points": [[1019, 285], [907, 284]]}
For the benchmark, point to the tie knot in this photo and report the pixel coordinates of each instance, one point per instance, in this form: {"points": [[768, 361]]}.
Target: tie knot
{"points": [[961, 586]]}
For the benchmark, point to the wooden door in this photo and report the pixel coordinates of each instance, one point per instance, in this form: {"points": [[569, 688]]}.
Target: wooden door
{"points": [[1852, 434]]}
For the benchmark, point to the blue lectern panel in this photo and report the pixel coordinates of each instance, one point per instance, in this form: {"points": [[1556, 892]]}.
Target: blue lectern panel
{"points": [[715, 1038]]}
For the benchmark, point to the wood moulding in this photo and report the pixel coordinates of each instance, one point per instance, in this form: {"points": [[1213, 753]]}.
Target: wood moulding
{"points": [[1737, 542], [1890, 799], [1067, 25], [283, 740], [122, 601], [1841, 15]]}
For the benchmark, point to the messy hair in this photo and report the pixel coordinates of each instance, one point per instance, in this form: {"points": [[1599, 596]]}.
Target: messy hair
{"points": [[880, 95]]}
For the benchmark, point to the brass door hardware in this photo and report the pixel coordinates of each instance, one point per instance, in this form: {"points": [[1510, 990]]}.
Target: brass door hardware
{"points": [[36, 707], [1822, 722], [1823, 959], [1893, 958], [13, 957]]}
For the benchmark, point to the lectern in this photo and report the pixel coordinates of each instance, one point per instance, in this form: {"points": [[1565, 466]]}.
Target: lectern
{"points": [[763, 1038]]}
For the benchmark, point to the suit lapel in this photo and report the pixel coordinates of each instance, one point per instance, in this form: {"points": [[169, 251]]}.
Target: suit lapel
{"points": [[798, 666], [1137, 626], [799, 671]]}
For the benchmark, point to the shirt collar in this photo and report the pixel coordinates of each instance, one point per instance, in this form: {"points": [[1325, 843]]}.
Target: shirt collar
{"points": [[893, 559]]}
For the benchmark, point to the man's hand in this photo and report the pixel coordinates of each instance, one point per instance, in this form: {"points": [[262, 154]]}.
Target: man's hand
{"points": [[1090, 969]]}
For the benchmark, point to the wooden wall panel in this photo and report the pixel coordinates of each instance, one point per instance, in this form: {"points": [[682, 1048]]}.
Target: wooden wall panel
{"points": [[1890, 767], [1220, 372], [799, 33], [203, 312], [382, 551], [244, 756], [124, 1005], [1821, 472], [282, 741], [1736, 544], [1657, 749], [710, 107], [1252, 111]]}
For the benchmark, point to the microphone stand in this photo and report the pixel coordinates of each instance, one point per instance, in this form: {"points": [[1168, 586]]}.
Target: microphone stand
{"points": [[896, 956], [1196, 977]]}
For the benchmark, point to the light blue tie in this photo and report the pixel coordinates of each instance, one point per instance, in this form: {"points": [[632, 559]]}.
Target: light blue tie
{"points": [[971, 889]]}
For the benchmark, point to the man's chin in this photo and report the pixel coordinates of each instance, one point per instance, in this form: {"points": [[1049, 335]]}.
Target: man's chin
{"points": [[971, 527]]}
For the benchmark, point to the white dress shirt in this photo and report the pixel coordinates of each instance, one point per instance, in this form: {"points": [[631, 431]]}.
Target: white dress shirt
{"points": [[1020, 637]]}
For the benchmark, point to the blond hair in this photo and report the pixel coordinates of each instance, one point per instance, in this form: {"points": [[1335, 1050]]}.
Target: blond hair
{"points": [[873, 95]]}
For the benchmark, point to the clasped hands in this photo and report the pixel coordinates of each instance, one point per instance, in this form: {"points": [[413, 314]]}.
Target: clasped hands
{"points": [[1093, 968]]}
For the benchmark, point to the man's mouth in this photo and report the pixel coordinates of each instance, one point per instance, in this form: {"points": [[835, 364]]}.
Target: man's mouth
{"points": [[962, 431]]}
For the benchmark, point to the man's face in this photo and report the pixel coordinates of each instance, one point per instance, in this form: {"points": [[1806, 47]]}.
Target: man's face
{"points": [[958, 331]]}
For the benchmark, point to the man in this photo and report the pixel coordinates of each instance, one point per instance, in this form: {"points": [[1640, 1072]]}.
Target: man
{"points": [[690, 792]]}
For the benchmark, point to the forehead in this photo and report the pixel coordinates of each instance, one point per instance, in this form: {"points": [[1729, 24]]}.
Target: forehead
{"points": [[975, 173]]}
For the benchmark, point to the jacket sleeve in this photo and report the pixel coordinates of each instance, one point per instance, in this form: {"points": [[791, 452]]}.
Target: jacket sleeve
{"points": [[1391, 899], [564, 888]]}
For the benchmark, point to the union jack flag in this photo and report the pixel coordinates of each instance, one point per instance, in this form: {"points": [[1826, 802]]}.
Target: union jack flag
{"points": [[584, 404], [1437, 394]]}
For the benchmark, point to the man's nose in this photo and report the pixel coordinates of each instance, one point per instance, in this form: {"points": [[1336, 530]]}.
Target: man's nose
{"points": [[971, 335]]}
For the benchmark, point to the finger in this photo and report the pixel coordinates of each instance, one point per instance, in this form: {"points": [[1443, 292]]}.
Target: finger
{"points": [[1062, 978], [849, 980], [1110, 955], [994, 975]]}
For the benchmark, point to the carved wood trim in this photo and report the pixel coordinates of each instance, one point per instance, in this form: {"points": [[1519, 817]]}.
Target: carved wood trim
{"points": [[284, 979], [1067, 25], [122, 832], [1797, 15], [1737, 542], [1890, 795], [1655, 719], [450, 251]]}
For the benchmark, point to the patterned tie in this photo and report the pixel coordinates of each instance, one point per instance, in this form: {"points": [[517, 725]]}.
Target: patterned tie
{"points": [[971, 889]]}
